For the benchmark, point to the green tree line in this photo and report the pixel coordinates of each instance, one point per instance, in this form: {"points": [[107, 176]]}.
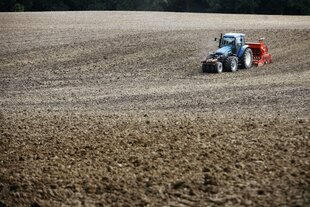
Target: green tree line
{"points": [[286, 7]]}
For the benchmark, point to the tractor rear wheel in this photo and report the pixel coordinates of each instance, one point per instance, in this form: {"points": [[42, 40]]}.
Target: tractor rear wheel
{"points": [[247, 58], [231, 64]]}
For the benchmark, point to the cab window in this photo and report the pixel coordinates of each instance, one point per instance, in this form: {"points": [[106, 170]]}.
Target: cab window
{"points": [[238, 41]]}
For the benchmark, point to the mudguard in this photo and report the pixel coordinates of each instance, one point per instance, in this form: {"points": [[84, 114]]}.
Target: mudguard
{"points": [[241, 50]]}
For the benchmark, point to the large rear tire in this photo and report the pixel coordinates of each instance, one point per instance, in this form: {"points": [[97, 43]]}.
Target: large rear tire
{"points": [[231, 64], [247, 59]]}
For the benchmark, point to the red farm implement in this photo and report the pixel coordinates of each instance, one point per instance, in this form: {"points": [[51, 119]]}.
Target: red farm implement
{"points": [[260, 53]]}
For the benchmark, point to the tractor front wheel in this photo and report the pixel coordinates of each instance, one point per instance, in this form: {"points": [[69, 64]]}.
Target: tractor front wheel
{"points": [[247, 58], [218, 67], [231, 64]]}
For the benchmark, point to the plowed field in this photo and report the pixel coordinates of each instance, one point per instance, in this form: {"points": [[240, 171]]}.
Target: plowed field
{"points": [[112, 109]]}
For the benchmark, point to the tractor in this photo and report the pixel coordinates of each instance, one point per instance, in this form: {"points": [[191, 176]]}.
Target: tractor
{"points": [[235, 53]]}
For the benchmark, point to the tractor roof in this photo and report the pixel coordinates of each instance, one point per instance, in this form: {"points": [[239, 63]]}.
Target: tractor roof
{"points": [[234, 35]]}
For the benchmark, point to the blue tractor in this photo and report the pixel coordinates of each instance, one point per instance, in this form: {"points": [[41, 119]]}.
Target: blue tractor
{"points": [[233, 53]]}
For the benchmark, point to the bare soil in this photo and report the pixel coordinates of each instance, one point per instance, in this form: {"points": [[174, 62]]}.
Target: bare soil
{"points": [[112, 109]]}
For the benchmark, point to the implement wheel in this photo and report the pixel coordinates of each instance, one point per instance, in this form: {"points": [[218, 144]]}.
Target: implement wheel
{"points": [[205, 68]]}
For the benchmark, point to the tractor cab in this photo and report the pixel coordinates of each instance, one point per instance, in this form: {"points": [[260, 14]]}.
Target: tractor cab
{"points": [[231, 43]]}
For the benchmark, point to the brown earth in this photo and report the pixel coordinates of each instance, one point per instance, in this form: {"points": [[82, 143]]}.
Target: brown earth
{"points": [[111, 109]]}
